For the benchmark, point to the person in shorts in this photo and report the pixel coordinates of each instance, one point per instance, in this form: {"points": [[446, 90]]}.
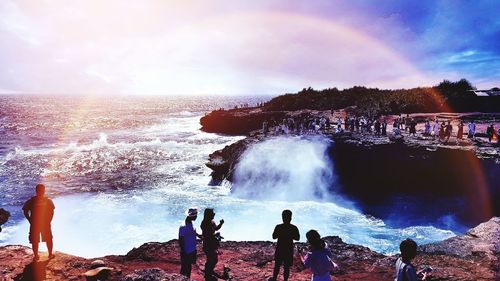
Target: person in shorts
{"points": [[39, 211]]}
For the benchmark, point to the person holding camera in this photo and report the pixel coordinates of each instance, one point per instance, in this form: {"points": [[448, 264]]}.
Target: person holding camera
{"points": [[318, 259], [210, 242], [187, 242]]}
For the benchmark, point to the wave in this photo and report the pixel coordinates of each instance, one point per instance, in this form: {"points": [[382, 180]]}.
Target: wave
{"points": [[115, 223], [286, 168]]}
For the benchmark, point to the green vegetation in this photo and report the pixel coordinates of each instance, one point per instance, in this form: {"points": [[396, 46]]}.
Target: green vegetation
{"points": [[445, 97]]}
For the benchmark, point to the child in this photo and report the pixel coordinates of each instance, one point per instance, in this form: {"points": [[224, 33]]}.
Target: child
{"points": [[404, 268]]}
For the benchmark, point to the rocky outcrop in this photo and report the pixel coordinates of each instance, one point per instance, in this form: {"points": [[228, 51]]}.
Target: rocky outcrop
{"points": [[481, 240], [4, 217], [478, 251], [153, 274], [238, 121], [224, 161], [474, 256], [453, 166], [248, 121]]}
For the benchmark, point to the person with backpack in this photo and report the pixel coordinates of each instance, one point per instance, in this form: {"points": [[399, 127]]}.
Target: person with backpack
{"points": [[405, 271], [319, 258]]}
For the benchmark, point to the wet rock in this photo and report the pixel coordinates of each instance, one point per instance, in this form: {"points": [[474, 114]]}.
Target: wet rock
{"points": [[482, 239], [4, 217], [224, 161]]}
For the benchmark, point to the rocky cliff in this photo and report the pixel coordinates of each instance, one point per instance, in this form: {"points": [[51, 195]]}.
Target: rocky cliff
{"points": [[238, 121], [455, 166], [474, 256], [4, 217]]}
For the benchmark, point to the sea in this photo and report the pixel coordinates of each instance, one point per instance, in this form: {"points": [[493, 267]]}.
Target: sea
{"points": [[122, 171]]}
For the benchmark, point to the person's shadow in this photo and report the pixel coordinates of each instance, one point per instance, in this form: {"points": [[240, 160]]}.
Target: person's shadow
{"points": [[34, 271]]}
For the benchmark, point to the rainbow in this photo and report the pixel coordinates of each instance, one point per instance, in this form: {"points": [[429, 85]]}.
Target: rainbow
{"points": [[326, 36]]}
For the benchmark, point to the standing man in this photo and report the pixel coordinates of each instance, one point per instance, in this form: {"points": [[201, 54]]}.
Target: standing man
{"points": [[448, 130], [490, 131], [472, 129], [285, 233], [39, 211], [187, 242]]}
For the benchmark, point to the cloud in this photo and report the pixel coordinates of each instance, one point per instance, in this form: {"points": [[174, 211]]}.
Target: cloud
{"points": [[216, 47]]}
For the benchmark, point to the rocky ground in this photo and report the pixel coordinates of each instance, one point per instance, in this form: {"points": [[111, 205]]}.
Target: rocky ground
{"points": [[473, 256]]}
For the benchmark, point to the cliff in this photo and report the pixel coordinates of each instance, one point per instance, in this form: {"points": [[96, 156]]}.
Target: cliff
{"points": [[238, 121], [455, 166], [474, 256]]}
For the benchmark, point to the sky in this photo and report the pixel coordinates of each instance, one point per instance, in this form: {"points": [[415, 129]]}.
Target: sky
{"points": [[236, 47]]}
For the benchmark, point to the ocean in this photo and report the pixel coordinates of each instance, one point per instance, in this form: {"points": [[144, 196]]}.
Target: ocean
{"points": [[123, 170]]}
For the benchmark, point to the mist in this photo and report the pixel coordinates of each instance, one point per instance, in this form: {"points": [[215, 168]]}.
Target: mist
{"points": [[286, 169]]}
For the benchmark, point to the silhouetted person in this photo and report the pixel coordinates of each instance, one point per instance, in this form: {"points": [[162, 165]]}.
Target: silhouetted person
{"points": [[472, 130], [404, 269], [490, 132], [285, 233], [413, 126], [210, 242], [384, 128], [265, 128], [407, 122], [187, 242], [319, 258], [448, 130], [377, 126], [442, 131], [39, 211], [460, 133]]}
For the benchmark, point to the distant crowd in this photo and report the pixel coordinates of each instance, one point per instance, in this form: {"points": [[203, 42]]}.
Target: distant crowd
{"points": [[441, 130], [39, 211]]}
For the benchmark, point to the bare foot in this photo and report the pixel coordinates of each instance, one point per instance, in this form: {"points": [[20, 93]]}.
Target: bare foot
{"points": [[51, 256]]}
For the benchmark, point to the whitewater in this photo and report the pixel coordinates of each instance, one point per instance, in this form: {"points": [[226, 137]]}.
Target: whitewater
{"points": [[122, 173]]}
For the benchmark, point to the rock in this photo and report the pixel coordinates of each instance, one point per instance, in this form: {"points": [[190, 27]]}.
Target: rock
{"points": [[473, 256], [153, 274], [238, 121], [155, 251], [223, 162], [484, 238], [4, 217], [354, 151]]}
